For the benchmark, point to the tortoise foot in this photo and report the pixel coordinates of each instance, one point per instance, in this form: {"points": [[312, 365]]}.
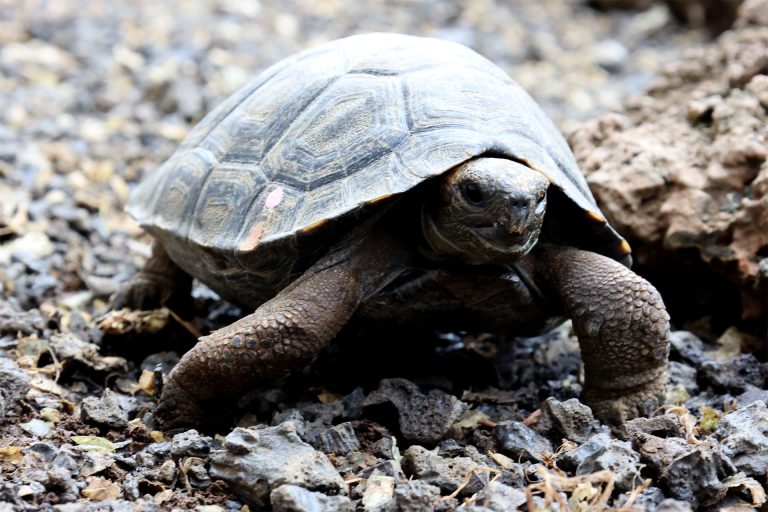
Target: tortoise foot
{"points": [[615, 407]]}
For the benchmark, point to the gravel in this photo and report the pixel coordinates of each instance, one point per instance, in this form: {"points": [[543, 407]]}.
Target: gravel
{"points": [[94, 96]]}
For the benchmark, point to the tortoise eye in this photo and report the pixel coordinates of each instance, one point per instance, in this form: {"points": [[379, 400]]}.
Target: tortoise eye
{"points": [[472, 193]]}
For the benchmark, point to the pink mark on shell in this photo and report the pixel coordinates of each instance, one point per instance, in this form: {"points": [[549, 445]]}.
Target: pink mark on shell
{"points": [[274, 198], [253, 238]]}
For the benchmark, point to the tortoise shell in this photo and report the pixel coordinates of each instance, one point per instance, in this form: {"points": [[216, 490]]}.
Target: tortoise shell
{"points": [[330, 130]]}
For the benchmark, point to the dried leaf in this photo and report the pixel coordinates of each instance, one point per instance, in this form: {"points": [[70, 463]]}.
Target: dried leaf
{"points": [[100, 489], [750, 484], [326, 397], [502, 460], [93, 443], [147, 382], [162, 496], [126, 320], [50, 415], [11, 454], [471, 420]]}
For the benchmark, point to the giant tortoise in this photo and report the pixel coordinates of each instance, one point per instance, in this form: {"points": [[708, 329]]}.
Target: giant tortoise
{"points": [[388, 178]]}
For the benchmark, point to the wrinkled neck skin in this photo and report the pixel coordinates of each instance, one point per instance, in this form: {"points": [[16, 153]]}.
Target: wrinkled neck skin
{"points": [[487, 211]]}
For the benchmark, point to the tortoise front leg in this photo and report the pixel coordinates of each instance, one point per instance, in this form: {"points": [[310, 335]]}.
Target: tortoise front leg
{"points": [[159, 282], [622, 326], [283, 334]]}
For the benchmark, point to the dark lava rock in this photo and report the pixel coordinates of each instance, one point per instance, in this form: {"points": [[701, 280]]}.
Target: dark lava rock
{"points": [[697, 476], [106, 411], [190, 444], [570, 460], [733, 375], [293, 498], [743, 436], [667, 425], [687, 347], [353, 404], [385, 448], [648, 499], [14, 385], [340, 439], [680, 374], [570, 419], [521, 443], [659, 452], [422, 418], [257, 460], [322, 413], [620, 459], [418, 495], [387, 468], [447, 474]]}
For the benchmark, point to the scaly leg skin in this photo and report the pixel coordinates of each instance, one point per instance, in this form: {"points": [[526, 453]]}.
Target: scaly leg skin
{"points": [[158, 283], [622, 326], [282, 335]]}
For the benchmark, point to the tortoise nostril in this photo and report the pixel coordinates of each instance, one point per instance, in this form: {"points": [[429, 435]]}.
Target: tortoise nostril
{"points": [[518, 203]]}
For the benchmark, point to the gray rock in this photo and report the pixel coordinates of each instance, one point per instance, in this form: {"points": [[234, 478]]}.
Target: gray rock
{"points": [[521, 442], [418, 495], [659, 452], [292, 415], [422, 418], [197, 473], [648, 499], [14, 385], [680, 374], [752, 394], [447, 474], [735, 374], [672, 505], [353, 404], [687, 346], [667, 425], [696, 476], [610, 55], [497, 497], [354, 462], [570, 460], [340, 439], [45, 450], [257, 460], [570, 419], [190, 443], [620, 459], [385, 448], [14, 320], [743, 436], [379, 493], [388, 468], [105, 411], [321, 413], [293, 498]]}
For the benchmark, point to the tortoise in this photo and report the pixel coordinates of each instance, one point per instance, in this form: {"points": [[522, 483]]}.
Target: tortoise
{"points": [[388, 178]]}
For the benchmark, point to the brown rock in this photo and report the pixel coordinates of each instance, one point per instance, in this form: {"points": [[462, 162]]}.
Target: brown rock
{"points": [[684, 171]]}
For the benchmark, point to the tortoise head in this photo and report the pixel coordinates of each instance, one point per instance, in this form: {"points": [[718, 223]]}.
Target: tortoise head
{"points": [[486, 211]]}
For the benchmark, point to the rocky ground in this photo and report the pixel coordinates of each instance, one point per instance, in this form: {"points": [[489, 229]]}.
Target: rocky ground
{"points": [[95, 95]]}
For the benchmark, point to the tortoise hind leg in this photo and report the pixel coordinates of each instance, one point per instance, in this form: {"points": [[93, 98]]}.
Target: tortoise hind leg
{"points": [[622, 327], [160, 282]]}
